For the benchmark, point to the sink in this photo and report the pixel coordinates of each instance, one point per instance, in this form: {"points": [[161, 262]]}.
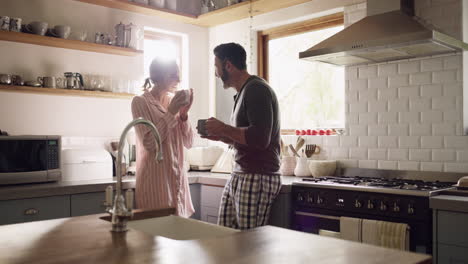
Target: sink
{"points": [[179, 228]]}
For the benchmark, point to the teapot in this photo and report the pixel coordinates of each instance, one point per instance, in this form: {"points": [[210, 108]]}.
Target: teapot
{"points": [[73, 80]]}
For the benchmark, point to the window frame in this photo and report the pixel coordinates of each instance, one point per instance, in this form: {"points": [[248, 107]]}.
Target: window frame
{"points": [[264, 36]]}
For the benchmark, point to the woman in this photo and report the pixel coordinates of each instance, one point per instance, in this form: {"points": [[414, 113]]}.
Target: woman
{"points": [[163, 184]]}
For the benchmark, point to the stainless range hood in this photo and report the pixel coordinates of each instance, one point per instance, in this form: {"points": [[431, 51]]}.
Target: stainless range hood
{"points": [[383, 37]]}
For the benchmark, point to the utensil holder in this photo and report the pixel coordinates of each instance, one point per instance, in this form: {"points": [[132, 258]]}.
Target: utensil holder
{"points": [[288, 164]]}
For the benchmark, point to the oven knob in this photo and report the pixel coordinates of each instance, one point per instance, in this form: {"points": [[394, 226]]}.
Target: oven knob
{"points": [[299, 197], [410, 209], [357, 204], [310, 199], [383, 206], [396, 208], [319, 200], [370, 205]]}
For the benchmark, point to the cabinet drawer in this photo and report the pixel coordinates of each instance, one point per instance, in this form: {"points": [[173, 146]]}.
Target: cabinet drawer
{"points": [[88, 203], [35, 209], [209, 214], [211, 195], [451, 254], [452, 228]]}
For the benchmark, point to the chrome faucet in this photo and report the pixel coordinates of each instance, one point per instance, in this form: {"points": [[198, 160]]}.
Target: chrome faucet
{"points": [[121, 209]]}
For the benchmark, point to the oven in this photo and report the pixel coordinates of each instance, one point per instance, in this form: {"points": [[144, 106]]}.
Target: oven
{"points": [[318, 210]]}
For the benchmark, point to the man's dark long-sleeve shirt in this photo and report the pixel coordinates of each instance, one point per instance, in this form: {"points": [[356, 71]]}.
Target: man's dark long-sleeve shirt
{"points": [[256, 108]]}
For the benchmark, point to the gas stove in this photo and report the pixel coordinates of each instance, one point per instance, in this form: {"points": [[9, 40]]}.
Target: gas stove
{"points": [[410, 187]]}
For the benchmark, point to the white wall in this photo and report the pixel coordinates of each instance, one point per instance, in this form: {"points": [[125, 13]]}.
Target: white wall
{"points": [[81, 116], [404, 115]]}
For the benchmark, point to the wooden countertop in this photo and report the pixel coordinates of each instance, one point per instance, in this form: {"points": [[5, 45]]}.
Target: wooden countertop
{"points": [[88, 239]]}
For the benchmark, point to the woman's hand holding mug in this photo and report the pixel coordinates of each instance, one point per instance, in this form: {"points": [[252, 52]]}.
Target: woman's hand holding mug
{"points": [[179, 100]]}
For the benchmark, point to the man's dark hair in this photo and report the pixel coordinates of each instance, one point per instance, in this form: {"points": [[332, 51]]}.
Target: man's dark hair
{"points": [[232, 52]]}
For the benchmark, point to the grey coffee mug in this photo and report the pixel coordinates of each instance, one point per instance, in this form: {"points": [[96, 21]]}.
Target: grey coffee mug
{"points": [[201, 127]]}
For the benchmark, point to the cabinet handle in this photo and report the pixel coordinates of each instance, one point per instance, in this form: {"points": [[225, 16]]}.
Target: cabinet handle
{"points": [[31, 211]]}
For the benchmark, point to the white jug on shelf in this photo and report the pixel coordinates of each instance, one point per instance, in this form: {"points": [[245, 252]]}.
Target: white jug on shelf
{"points": [[136, 37]]}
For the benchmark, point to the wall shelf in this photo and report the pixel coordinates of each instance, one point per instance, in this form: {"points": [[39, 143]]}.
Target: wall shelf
{"points": [[64, 92], [66, 43], [214, 18]]}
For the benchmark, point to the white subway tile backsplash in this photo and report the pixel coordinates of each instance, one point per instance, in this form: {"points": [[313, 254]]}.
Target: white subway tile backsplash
{"points": [[368, 95], [432, 117], [398, 154], [318, 140], [456, 167], [409, 117], [420, 129], [431, 90], [420, 154], [409, 142], [398, 105], [409, 67], [420, 78], [352, 96], [331, 141], [443, 155], [387, 165], [388, 118], [349, 141], [435, 64], [408, 165], [348, 164], [387, 93], [352, 118], [367, 164], [378, 130], [462, 155], [453, 89], [357, 85], [368, 142], [358, 107], [444, 76], [358, 153], [378, 83], [378, 106], [398, 129], [453, 62], [419, 105], [388, 141], [409, 91], [368, 118], [456, 142], [432, 142], [339, 153], [358, 130], [387, 69], [398, 80], [351, 73], [444, 129], [366, 72], [444, 103], [432, 166], [377, 154]]}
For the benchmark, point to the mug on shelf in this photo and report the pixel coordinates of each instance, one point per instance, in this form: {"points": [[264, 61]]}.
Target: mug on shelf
{"points": [[15, 24], [4, 23], [49, 82]]}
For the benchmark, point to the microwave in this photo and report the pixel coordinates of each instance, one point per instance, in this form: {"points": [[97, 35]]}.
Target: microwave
{"points": [[29, 159]]}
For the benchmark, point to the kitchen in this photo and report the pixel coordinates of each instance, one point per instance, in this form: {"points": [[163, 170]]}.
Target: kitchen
{"points": [[430, 145]]}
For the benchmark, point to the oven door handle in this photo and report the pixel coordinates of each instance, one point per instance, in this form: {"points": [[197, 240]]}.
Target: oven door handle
{"points": [[318, 215]]}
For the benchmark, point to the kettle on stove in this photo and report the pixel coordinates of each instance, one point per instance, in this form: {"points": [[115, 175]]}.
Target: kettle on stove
{"points": [[73, 80]]}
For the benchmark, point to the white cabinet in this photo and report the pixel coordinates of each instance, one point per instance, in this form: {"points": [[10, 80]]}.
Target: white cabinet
{"points": [[210, 200]]}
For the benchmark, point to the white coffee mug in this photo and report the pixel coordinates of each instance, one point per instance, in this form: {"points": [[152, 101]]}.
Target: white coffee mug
{"points": [[15, 24], [5, 23]]}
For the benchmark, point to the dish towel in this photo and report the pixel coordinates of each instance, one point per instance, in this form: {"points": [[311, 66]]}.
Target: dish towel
{"points": [[351, 228], [393, 235]]}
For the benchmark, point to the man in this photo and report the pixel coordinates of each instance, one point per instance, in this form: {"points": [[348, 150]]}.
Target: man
{"points": [[255, 135]]}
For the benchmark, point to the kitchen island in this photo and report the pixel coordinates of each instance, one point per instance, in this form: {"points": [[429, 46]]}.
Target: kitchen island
{"points": [[87, 239]]}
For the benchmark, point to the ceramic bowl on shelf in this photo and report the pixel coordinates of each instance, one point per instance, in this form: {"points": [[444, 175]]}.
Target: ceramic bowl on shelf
{"points": [[33, 83]]}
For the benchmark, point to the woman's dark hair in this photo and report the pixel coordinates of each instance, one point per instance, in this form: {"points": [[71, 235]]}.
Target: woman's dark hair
{"points": [[232, 52]]}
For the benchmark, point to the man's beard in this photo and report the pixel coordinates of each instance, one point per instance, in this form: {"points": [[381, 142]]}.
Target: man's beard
{"points": [[225, 78]]}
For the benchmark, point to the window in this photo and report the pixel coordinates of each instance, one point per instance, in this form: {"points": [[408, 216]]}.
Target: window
{"points": [[166, 46], [310, 94]]}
